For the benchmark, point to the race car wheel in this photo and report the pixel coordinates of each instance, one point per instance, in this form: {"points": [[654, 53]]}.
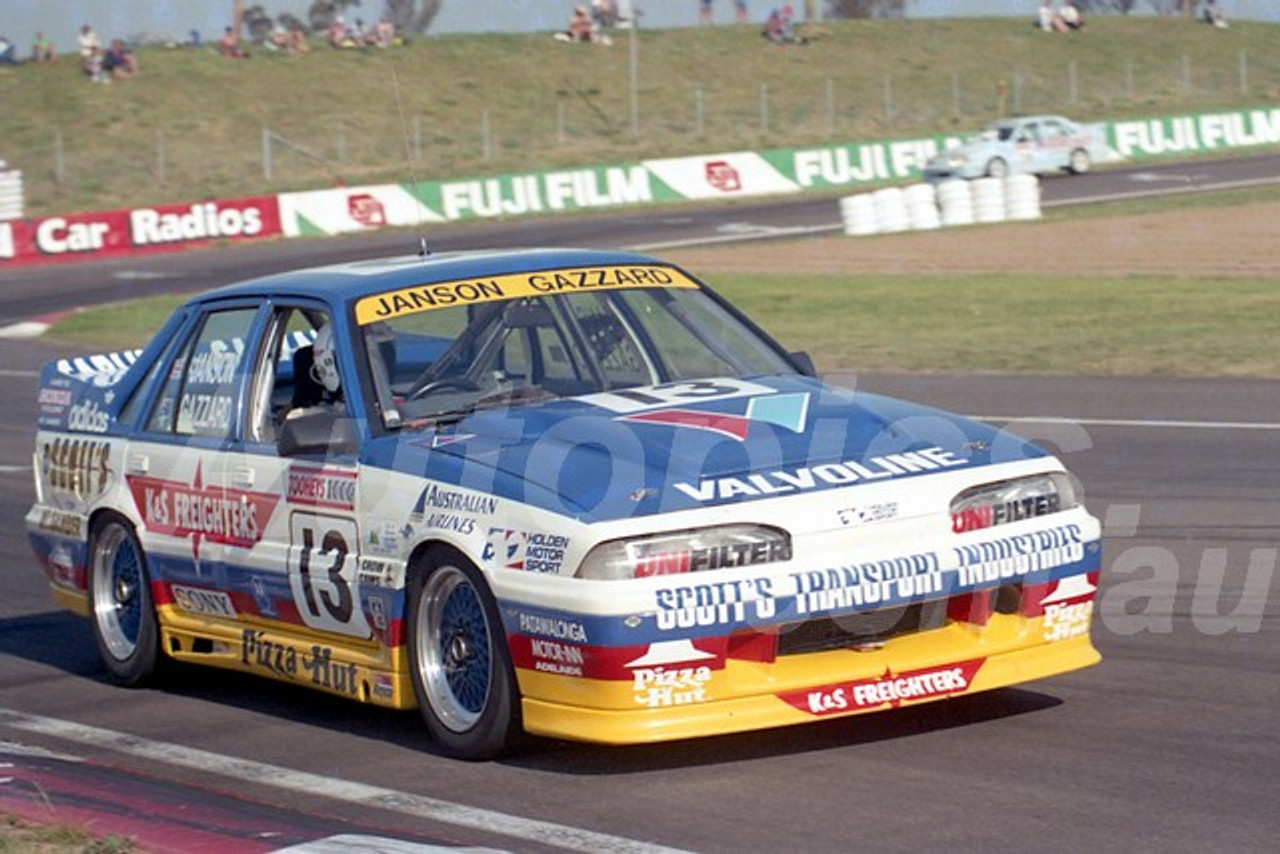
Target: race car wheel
{"points": [[124, 621], [997, 168], [458, 658], [1079, 161]]}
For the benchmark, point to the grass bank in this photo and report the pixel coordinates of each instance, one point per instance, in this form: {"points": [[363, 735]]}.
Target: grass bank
{"points": [[191, 125], [952, 324]]}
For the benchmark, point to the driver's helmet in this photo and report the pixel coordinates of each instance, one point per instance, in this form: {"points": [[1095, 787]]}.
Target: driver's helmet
{"points": [[324, 369]]}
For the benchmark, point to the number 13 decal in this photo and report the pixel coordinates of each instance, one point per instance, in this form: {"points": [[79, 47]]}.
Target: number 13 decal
{"points": [[322, 573]]}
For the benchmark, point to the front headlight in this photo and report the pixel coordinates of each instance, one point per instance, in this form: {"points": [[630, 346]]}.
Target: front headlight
{"points": [[1011, 501], [957, 160], [696, 550]]}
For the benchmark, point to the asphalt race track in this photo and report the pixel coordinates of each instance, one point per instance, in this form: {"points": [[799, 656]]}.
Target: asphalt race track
{"points": [[1171, 744]]}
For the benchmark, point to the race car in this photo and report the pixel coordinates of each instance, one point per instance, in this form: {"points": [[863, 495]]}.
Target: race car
{"points": [[1029, 144], [572, 494]]}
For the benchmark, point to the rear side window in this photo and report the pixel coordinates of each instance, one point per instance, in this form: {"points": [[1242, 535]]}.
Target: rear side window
{"points": [[201, 395]]}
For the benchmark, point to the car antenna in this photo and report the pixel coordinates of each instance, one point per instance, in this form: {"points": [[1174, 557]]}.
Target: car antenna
{"points": [[423, 251]]}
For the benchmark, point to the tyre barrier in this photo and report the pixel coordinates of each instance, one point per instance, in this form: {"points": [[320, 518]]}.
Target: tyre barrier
{"points": [[891, 210], [988, 199], [923, 207], [1022, 197], [859, 215], [956, 202]]}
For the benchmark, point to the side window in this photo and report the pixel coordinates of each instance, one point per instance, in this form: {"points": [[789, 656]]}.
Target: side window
{"points": [[286, 377], [134, 407], [201, 393]]}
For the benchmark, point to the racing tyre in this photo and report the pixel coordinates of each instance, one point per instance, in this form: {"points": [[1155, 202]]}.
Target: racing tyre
{"points": [[1079, 163], [997, 168], [458, 659], [124, 619]]}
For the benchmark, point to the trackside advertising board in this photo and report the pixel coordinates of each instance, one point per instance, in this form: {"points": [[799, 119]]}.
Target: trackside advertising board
{"points": [[135, 231], [735, 174]]}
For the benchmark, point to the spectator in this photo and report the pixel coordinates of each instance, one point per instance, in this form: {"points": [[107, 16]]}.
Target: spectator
{"points": [[362, 36], [339, 35], [1213, 14], [42, 50], [1071, 17], [8, 53], [580, 28], [741, 15], [293, 42], [779, 27], [604, 14], [1047, 15], [119, 61], [93, 66], [705, 13], [88, 40], [384, 33], [773, 26], [229, 45]]}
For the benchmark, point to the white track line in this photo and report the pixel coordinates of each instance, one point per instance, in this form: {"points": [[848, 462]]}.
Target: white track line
{"points": [[738, 237], [10, 372], [418, 806]]}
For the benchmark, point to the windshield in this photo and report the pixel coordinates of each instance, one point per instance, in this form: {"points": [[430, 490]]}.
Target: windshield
{"points": [[434, 359]]}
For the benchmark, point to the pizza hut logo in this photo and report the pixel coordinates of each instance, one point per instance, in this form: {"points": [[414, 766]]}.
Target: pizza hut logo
{"points": [[722, 176], [366, 210]]}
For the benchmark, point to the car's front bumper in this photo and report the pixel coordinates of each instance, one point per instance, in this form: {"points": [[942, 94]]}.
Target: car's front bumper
{"points": [[950, 662]]}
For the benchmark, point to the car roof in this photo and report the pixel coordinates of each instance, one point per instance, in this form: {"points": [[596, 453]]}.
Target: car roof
{"points": [[340, 283], [1016, 120]]}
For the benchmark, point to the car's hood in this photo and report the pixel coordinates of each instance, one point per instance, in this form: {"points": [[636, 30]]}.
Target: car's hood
{"points": [[609, 456]]}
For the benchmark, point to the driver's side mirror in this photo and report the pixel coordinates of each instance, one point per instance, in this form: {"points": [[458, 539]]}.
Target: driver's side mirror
{"points": [[317, 430]]}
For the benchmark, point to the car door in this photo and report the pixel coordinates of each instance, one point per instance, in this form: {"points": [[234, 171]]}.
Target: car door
{"points": [[1055, 146], [1027, 142], [304, 571], [175, 465]]}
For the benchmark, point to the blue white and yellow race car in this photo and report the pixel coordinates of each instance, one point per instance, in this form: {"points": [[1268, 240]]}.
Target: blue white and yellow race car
{"points": [[566, 492]]}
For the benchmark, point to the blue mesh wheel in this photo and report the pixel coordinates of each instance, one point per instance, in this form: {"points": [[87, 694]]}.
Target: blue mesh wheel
{"points": [[124, 623], [459, 660], [455, 650]]}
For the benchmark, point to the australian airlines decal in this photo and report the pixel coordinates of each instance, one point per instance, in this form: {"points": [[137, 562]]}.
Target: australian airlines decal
{"points": [[826, 476]]}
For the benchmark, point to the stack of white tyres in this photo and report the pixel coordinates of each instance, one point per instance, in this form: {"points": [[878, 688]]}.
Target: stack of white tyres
{"points": [[955, 202], [988, 199], [891, 210], [859, 215], [1022, 197], [922, 207]]}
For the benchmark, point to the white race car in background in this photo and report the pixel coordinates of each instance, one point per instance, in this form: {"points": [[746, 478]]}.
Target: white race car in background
{"points": [[1030, 144]]}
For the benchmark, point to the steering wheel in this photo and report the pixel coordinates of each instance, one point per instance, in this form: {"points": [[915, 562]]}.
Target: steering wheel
{"points": [[459, 383]]}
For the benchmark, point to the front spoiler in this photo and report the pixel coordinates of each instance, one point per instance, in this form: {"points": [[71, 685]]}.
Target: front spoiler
{"points": [[760, 711]]}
